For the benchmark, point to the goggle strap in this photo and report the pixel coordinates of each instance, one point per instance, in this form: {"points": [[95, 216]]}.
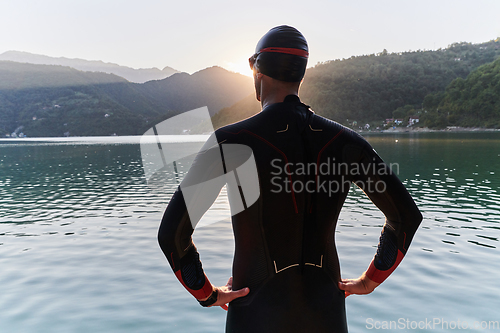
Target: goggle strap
{"points": [[287, 50]]}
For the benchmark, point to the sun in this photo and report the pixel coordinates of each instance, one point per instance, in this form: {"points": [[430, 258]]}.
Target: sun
{"points": [[240, 66]]}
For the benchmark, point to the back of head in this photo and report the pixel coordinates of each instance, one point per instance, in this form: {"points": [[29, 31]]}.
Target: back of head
{"points": [[281, 54]]}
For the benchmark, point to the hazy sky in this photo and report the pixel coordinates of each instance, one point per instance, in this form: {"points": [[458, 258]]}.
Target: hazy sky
{"points": [[192, 35]]}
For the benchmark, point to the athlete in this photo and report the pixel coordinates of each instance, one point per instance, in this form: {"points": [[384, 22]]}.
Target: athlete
{"points": [[286, 274]]}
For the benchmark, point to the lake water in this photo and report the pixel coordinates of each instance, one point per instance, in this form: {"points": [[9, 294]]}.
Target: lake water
{"points": [[78, 249]]}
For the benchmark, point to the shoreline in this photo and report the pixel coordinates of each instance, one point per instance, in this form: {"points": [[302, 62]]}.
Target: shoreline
{"points": [[198, 138], [124, 139], [449, 129]]}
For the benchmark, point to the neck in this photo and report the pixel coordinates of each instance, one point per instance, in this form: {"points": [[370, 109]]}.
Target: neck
{"points": [[274, 91]]}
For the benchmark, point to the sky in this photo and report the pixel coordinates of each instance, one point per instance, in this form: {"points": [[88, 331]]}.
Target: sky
{"points": [[193, 35]]}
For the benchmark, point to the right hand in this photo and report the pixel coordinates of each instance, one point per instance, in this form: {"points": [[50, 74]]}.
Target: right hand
{"points": [[360, 286]]}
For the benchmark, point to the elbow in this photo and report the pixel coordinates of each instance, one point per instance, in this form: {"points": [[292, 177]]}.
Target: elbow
{"points": [[412, 218], [160, 238], [418, 216], [163, 239]]}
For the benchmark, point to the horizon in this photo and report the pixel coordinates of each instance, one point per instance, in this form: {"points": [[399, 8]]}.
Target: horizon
{"points": [[243, 72], [194, 36]]}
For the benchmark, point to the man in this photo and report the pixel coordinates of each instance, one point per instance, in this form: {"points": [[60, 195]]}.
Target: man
{"points": [[286, 275]]}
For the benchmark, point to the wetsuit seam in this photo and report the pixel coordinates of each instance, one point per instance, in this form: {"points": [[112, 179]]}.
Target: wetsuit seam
{"points": [[321, 152], [276, 148]]}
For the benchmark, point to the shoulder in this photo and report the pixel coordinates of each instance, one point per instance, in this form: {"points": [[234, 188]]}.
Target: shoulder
{"points": [[331, 128], [230, 130], [256, 123]]}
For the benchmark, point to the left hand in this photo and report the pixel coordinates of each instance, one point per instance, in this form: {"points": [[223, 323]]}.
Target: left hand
{"points": [[226, 294]]}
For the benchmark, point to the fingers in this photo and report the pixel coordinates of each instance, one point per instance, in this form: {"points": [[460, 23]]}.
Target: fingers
{"points": [[360, 286], [352, 286], [227, 296], [241, 292], [341, 285], [347, 282], [229, 283], [344, 284], [236, 294]]}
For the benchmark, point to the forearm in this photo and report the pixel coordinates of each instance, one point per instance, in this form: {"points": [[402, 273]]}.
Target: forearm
{"points": [[396, 235], [402, 218], [387, 258], [394, 241], [174, 238]]}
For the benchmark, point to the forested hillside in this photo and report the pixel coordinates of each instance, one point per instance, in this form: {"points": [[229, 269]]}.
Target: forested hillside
{"points": [[376, 87], [470, 102], [43, 100], [370, 88]]}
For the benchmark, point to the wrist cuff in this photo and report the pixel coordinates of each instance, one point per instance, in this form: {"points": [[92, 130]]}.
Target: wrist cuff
{"points": [[205, 291], [376, 275], [211, 300]]}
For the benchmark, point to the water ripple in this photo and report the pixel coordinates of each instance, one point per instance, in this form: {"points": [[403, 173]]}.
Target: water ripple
{"points": [[78, 226]]}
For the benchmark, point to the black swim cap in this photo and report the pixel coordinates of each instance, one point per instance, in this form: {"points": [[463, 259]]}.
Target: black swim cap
{"points": [[281, 54]]}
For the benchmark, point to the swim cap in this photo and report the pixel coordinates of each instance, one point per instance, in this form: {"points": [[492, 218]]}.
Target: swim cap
{"points": [[281, 54]]}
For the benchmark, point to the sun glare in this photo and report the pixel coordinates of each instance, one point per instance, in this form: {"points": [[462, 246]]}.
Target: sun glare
{"points": [[239, 67]]}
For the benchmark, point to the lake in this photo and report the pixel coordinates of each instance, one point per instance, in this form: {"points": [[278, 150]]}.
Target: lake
{"points": [[78, 249]]}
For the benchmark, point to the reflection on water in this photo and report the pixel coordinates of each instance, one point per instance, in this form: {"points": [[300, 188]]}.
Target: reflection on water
{"points": [[78, 239], [455, 179], [449, 272], [53, 183]]}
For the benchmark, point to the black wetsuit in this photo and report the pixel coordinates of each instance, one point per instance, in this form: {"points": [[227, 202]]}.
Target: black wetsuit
{"points": [[284, 242]]}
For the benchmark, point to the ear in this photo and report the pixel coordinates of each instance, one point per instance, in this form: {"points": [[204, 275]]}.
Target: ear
{"points": [[259, 75]]}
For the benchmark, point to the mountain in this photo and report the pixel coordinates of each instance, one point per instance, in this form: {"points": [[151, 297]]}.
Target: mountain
{"points": [[48, 100], [204, 86], [133, 75], [18, 76], [441, 86], [470, 102], [372, 87]]}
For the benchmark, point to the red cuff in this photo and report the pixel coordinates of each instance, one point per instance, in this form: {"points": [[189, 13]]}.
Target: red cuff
{"points": [[202, 293], [379, 276]]}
